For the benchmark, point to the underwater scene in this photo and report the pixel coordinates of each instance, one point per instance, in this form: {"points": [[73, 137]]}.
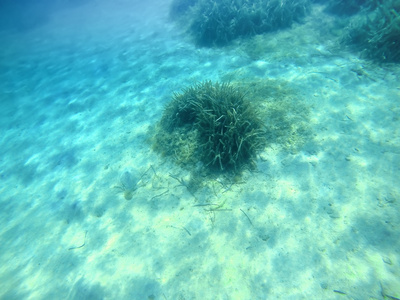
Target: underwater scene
{"points": [[200, 149]]}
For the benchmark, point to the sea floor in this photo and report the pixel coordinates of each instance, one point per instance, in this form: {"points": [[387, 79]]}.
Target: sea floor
{"points": [[89, 211]]}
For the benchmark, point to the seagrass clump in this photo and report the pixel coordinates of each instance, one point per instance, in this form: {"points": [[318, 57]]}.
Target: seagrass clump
{"points": [[212, 123], [375, 32], [218, 22]]}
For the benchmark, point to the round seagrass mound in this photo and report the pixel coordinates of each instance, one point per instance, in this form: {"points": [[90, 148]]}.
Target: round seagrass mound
{"points": [[212, 123]]}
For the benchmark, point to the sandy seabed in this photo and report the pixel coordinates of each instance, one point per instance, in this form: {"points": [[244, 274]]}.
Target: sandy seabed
{"points": [[316, 221]]}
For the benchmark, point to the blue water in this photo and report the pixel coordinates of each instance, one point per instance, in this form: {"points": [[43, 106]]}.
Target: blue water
{"points": [[81, 86]]}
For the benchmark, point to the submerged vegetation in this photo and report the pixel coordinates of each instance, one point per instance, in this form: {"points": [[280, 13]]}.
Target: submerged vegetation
{"points": [[213, 127], [345, 7], [216, 23], [373, 30], [212, 123], [374, 27], [376, 32]]}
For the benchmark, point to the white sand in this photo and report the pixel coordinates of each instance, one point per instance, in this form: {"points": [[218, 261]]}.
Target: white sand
{"points": [[78, 99]]}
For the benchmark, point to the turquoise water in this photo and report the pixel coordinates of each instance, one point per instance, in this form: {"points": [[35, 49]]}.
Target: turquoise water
{"points": [[88, 210]]}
